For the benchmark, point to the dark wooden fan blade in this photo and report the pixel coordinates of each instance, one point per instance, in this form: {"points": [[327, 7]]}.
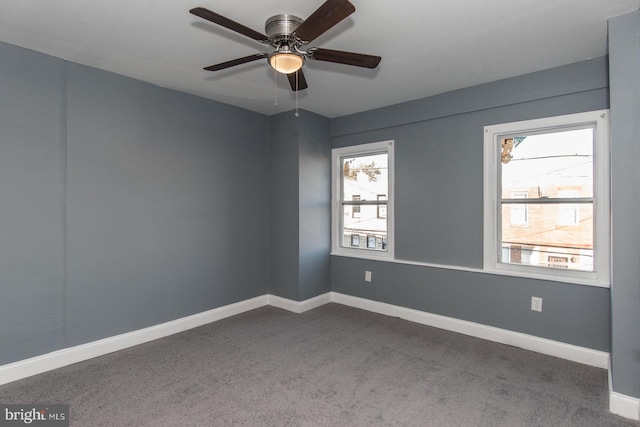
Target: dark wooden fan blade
{"points": [[325, 17], [348, 58], [235, 62], [227, 23], [300, 83]]}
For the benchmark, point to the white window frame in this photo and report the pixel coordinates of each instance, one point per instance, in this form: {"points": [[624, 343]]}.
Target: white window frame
{"points": [[601, 205], [337, 154]]}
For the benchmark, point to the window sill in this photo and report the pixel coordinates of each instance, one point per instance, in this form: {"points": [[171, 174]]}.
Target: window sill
{"points": [[362, 254], [498, 272]]}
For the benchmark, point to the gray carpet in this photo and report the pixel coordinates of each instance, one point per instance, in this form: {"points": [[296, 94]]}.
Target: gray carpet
{"points": [[332, 366]]}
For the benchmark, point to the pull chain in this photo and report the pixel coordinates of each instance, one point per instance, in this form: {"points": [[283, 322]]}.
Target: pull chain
{"points": [[297, 90], [275, 86]]}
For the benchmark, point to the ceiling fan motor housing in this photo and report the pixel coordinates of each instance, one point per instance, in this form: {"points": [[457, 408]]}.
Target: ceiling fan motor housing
{"points": [[280, 28]]}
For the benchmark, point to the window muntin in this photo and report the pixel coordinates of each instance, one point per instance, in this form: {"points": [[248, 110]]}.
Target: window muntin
{"points": [[361, 220], [546, 214]]}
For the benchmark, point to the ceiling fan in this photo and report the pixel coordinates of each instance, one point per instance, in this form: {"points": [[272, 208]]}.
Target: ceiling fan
{"points": [[289, 35]]}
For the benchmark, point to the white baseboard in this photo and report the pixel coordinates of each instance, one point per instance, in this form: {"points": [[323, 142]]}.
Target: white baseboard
{"points": [[624, 406], [68, 356], [299, 306], [620, 404], [574, 353]]}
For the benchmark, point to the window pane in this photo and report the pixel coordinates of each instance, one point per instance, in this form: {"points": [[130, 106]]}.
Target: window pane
{"points": [[368, 231], [365, 179], [545, 165], [547, 240]]}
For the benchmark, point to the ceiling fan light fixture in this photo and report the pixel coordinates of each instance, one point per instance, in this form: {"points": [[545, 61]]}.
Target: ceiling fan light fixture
{"points": [[286, 62]]}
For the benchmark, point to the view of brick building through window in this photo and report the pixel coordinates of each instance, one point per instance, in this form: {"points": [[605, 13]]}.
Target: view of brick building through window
{"points": [[547, 200]]}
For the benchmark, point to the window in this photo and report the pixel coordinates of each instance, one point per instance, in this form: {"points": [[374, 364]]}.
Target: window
{"points": [[546, 198], [362, 194]]}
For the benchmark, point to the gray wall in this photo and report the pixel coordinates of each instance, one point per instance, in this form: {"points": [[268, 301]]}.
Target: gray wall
{"points": [[285, 200], [124, 205], [32, 203], [300, 205], [624, 54], [315, 205], [439, 207]]}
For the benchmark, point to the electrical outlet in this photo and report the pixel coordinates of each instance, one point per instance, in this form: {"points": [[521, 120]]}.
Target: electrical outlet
{"points": [[536, 304], [367, 276]]}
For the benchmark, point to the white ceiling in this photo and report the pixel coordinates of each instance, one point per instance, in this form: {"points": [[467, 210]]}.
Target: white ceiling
{"points": [[427, 47]]}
